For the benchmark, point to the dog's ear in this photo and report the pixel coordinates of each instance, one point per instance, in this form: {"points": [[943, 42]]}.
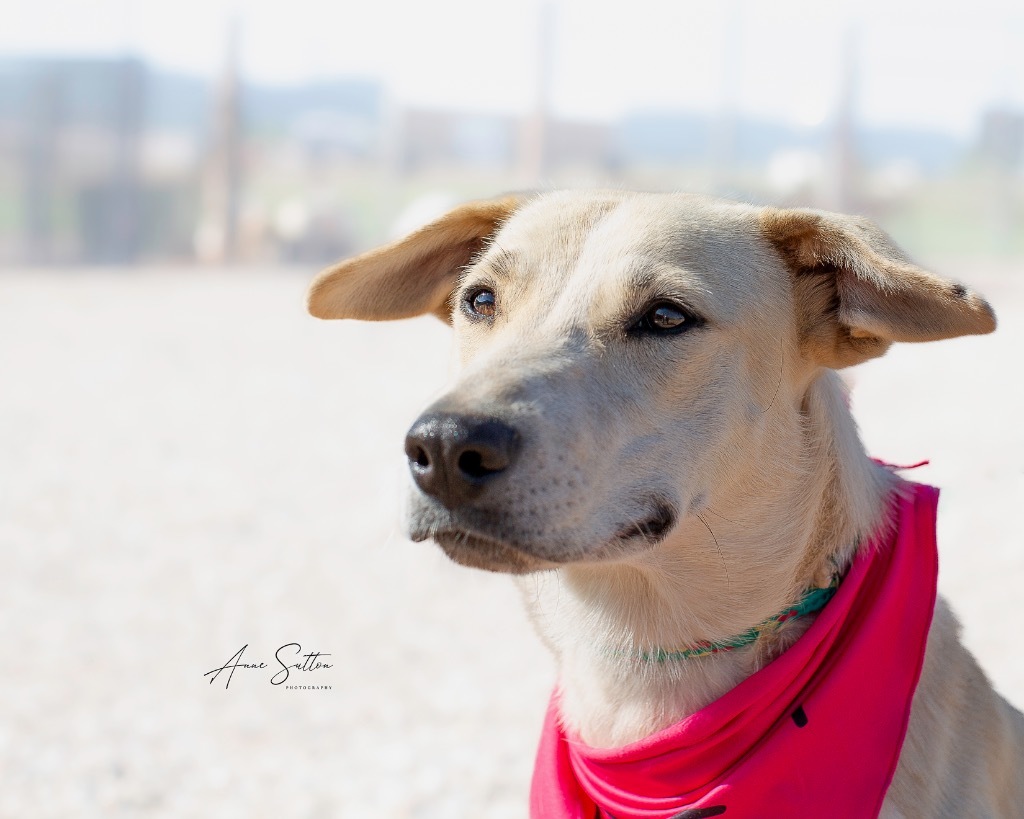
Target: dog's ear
{"points": [[412, 276], [856, 292]]}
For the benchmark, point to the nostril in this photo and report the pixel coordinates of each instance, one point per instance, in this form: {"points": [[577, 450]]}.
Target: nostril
{"points": [[452, 457], [472, 463]]}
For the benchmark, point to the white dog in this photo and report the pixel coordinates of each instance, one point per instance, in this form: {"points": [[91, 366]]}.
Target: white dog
{"points": [[648, 428]]}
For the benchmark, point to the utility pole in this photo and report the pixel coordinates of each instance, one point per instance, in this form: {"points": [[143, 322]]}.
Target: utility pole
{"points": [[120, 241], [39, 163], [841, 181], [217, 235], [535, 137], [725, 130]]}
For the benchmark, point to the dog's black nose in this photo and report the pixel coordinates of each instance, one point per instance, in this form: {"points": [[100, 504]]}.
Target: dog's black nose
{"points": [[452, 457]]}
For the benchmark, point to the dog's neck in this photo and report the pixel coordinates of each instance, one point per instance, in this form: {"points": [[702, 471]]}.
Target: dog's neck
{"points": [[799, 518]]}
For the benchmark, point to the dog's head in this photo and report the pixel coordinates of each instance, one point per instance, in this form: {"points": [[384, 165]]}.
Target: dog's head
{"points": [[626, 358]]}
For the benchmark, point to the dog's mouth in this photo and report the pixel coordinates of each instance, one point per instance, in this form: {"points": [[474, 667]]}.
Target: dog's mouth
{"points": [[651, 529], [480, 551]]}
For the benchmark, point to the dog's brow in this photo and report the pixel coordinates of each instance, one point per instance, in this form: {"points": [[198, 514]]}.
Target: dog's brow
{"points": [[648, 279], [501, 263], [642, 278], [645, 280]]}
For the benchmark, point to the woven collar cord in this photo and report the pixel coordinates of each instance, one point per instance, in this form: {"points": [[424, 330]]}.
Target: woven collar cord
{"points": [[812, 601]]}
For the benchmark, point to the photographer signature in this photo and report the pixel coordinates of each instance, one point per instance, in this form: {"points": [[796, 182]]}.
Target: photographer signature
{"points": [[309, 662]]}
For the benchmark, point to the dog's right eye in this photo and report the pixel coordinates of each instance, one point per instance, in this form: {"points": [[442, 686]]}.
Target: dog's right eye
{"points": [[481, 302], [665, 318]]}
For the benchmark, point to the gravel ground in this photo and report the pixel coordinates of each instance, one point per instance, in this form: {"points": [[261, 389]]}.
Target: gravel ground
{"points": [[191, 465]]}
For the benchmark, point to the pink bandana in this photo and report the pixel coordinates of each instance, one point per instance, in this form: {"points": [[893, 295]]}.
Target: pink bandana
{"points": [[817, 732]]}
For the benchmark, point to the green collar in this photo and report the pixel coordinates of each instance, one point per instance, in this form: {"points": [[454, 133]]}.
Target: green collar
{"points": [[813, 600]]}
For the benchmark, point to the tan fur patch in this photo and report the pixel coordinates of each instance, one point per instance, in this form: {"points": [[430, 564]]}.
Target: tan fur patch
{"points": [[412, 276], [857, 292]]}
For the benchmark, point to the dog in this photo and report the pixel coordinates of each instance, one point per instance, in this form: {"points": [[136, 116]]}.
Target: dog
{"points": [[648, 430]]}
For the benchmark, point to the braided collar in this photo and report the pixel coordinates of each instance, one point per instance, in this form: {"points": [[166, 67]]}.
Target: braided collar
{"points": [[813, 600]]}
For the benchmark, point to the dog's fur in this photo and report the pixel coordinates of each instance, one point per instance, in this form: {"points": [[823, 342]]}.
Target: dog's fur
{"points": [[737, 429]]}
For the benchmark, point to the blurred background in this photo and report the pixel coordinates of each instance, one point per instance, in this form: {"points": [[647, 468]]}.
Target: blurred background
{"points": [[264, 132], [190, 464]]}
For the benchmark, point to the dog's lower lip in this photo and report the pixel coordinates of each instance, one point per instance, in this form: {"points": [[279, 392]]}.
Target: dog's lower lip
{"points": [[461, 536], [483, 552]]}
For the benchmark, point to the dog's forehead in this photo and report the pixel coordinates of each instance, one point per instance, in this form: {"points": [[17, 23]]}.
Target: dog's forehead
{"points": [[607, 243]]}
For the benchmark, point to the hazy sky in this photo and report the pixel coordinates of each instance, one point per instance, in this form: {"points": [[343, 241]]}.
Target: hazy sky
{"points": [[935, 64]]}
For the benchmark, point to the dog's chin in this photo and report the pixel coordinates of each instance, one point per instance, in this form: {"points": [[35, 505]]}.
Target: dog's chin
{"points": [[479, 552]]}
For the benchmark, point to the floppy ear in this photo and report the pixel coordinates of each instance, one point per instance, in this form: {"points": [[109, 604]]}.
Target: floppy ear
{"points": [[856, 292], [412, 276]]}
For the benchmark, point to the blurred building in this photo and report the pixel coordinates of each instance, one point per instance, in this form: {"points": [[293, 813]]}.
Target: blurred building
{"points": [[73, 130], [462, 139], [1001, 140], [107, 161], [430, 138], [110, 161]]}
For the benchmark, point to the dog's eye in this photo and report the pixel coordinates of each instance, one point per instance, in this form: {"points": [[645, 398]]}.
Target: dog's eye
{"points": [[481, 302], [664, 318]]}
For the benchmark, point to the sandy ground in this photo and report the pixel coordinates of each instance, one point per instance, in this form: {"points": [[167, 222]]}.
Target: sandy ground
{"points": [[191, 465]]}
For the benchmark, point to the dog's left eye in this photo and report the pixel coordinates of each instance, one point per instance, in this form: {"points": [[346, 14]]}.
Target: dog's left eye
{"points": [[481, 302], [664, 318]]}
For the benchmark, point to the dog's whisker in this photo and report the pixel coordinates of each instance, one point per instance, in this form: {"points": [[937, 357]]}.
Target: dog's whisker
{"points": [[718, 547], [782, 369], [645, 536], [727, 520]]}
